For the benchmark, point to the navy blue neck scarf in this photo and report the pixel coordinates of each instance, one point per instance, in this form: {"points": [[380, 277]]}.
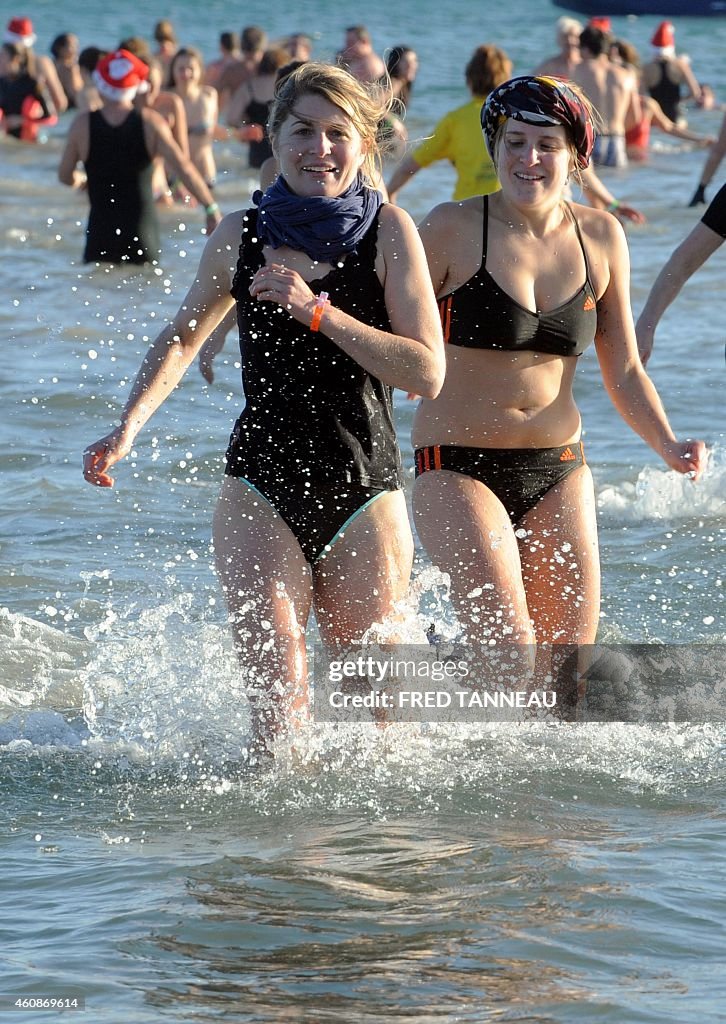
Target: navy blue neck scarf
{"points": [[324, 227]]}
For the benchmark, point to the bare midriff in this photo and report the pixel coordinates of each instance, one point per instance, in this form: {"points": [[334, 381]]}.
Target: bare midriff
{"points": [[493, 399]]}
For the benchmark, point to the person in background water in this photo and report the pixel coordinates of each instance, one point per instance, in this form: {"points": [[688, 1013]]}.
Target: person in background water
{"points": [[359, 57], [64, 50], [299, 46], [637, 133], [230, 54], [612, 90], [456, 137], [186, 73], [250, 105], [563, 64], [25, 106], [167, 45], [253, 43], [117, 145], [665, 75], [335, 309], [503, 499], [705, 238], [20, 32], [166, 188], [401, 68], [88, 58]]}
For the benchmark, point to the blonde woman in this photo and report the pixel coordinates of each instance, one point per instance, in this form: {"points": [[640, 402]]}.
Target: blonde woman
{"points": [[335, 309]]}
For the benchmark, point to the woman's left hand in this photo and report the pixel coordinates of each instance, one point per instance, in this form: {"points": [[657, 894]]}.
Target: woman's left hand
{"points": [[686, 457], [277, 283]]}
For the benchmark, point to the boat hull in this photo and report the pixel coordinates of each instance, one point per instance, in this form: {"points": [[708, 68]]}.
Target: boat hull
{"points": [[660, 8]]}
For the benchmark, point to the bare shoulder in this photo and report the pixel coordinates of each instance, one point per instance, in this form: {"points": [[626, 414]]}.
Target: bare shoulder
{"points": [[450, 219], [599, 226], [396, 233], [153, 119]]}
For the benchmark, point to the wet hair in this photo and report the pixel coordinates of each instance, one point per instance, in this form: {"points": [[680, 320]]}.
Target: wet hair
{"points": [[229, 41], [17, 51], [272, 60], [365, 104], [59, 44], [89, 57], [594, 40], [627, 53], [138, 46], [252, 39], [488, 67], [394, 56], [185, 51], [360, 32], [164, 32]]}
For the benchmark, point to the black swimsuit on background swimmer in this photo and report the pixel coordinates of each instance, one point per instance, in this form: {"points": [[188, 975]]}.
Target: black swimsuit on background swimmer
{"points": [[316, 437], [480, 314], [122, 225]]}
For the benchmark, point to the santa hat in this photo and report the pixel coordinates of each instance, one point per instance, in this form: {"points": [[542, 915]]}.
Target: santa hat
{"points": [[20, 30], [120, 75], [664, 36]]}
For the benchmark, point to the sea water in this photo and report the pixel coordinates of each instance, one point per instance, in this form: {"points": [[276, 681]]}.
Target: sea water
{"points": [[536, 873]]}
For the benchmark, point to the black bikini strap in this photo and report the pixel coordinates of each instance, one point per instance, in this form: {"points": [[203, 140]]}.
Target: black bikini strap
{"points": [[573, 218], [485, 232]]}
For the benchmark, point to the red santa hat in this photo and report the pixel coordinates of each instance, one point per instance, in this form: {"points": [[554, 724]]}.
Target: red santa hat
{"points": [[664, 35], [20, 30], [120, 75]]}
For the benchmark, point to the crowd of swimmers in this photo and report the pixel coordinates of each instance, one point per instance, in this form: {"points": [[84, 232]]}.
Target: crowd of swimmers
{"points": [[482, 313]]}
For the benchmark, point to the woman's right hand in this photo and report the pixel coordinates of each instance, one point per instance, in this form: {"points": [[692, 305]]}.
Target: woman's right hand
{"points": [[100, 456]]}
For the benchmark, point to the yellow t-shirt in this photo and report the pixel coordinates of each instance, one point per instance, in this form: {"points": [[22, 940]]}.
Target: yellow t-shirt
{"points": [[458, 138]]}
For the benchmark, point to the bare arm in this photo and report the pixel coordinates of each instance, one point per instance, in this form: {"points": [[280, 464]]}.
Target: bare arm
{"points": [[402, 174], [49, 78], [75, 152], [602, 199], [630, 388], [411, 355], [690, 80], [160, 142], [170, 354], [684, 261], [713, 160]]}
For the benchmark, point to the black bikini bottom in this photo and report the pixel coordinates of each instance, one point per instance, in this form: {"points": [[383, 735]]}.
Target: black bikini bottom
{"points": [[519, 477], [318, 513]]}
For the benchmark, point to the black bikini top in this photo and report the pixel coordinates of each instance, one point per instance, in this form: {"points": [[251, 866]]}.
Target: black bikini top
{"points": [[480, 314]]}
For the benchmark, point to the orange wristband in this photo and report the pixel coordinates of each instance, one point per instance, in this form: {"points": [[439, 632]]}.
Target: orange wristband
{"points": [[318, 310]]}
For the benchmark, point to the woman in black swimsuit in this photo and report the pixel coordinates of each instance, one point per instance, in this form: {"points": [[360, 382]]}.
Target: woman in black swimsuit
{"points": [[335, 308], [503, 499]]}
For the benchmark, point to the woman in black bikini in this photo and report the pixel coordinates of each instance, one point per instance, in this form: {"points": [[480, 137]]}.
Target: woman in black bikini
{"points": [[525, 283], [335, 308]]}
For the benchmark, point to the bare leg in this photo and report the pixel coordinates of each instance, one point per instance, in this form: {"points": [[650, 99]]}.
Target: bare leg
{"points": [[359, 582], [467, 533], [268, 589], [366, 572], [561, 571]]}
